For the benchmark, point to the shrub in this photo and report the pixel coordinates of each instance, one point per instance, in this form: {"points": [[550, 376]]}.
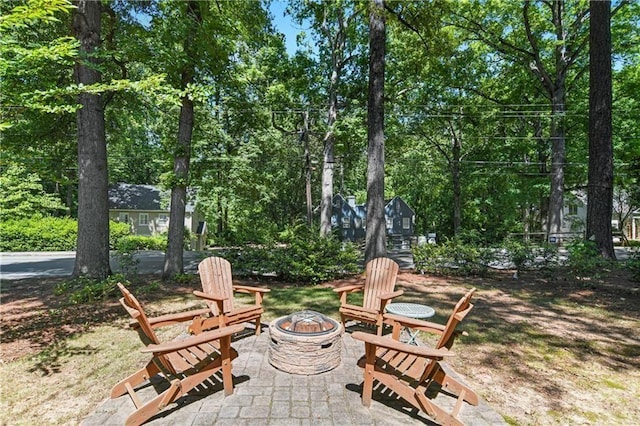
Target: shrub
{"points": [[633, 263], [142, 242], [22, 195], [520, 254], [523, 255], [117, 231], [86, 290], [584, 258], [301, 256], [39, 234], [453, 256], [51, 234], [310, 258]]}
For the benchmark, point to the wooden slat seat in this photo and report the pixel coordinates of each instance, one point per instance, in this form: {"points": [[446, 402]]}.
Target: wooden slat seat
{"points": [[185, 362], [218, 292], [378, 288], [410, 371]]}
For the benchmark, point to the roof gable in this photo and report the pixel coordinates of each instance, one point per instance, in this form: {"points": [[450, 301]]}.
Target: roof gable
{"points": [[124, 196]]}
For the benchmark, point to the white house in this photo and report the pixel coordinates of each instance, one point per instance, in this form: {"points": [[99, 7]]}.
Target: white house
{"points": [[146, 209], [574, 219]]}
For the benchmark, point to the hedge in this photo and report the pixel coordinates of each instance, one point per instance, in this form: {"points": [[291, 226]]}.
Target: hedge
{"points": [[49, 234]]}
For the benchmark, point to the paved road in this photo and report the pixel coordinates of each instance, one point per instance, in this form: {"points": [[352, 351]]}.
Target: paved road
{"points": [[15, 266]]}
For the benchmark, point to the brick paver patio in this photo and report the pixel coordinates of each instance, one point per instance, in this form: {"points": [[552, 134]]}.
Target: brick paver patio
{"points": [[266, 396]]}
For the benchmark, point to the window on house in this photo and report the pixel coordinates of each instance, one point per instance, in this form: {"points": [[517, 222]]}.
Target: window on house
{"points": [[389, 223], [406, 223], [163, 219], [123, 217], [346, 222], [573, 209], [143, 219]]}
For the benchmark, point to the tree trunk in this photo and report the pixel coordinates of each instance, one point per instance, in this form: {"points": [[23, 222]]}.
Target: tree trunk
{"points": [[92, 252], [337, 62], [328, 160], [173, 260], [555, 86], [600, 176], [457, 191], [556, 197], [375, 241], [307, 168]]}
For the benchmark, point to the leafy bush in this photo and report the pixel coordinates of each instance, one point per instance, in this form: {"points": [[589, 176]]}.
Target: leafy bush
{"points": [[117, 231], [125, 255], [584, 258], [23, 196], [310, 258], [453, 256], [633, 263], [142, 242], [301, 256], [524, 255], [520, 254], [38, 234], [51, 234], [85, 290]]}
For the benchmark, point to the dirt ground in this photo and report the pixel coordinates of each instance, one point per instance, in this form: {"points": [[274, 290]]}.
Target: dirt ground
{"points": [[543, 349]]}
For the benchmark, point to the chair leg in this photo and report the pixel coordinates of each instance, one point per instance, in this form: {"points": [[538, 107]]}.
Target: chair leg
{"points": [[154, 406], [225, 353], [258, 326], [135, 379], [369, 368], [437, 413], [449, 384], [343, 319]]}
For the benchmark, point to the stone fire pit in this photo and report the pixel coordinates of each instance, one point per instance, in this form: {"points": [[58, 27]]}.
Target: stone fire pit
{"points": [[305, 342]]}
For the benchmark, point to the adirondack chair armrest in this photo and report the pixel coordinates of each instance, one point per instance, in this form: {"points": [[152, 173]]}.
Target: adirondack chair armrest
{"points": [[416, 324], [194, 340], [178, 317], [249, 289], [391, 295], [386, 342], [349, 288], [208, 296], [358, 308]]}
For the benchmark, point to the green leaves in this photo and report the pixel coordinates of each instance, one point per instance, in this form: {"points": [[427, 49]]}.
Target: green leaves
{"points": [[22, 195], [35, 11], [27, 49]]}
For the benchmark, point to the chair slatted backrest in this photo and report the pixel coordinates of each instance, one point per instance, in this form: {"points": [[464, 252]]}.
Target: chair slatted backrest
{"points": [[144, 328], [381, 274], [462, 308], [216, 277]]}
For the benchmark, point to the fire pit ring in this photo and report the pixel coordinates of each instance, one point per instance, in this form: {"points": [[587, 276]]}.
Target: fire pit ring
{"points": [[305, 342]]}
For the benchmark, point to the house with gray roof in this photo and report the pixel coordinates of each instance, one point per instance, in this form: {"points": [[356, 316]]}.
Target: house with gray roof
{"points": [[349, 219], [146, 209]]}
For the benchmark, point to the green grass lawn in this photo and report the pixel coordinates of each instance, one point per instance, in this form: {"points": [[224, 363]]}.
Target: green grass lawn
{"points": [[540, 351]]}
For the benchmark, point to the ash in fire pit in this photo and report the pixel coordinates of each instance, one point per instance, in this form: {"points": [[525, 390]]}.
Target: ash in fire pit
{"points": [[305, 342]]}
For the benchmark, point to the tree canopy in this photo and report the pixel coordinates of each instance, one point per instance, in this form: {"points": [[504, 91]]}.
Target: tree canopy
{"points": [[486, 108]]}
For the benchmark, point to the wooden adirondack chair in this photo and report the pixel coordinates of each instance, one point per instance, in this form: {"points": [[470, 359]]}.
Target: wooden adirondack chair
{"points": [[378, 290], [185, 363], [410, 370], [218, 290]]}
